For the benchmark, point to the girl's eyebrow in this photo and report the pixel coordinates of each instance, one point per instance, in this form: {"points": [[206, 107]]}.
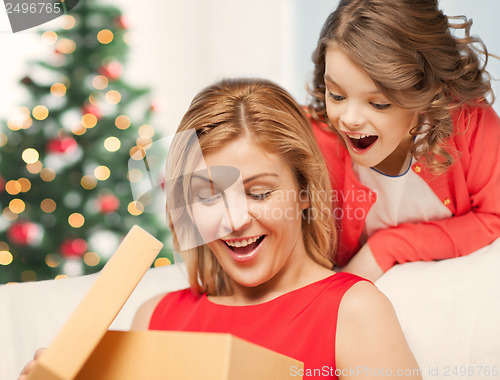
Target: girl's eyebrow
{"points": [[328, 79]]}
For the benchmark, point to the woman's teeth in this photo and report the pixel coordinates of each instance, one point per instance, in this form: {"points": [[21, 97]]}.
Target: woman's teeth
{"points": [[242, 243]]}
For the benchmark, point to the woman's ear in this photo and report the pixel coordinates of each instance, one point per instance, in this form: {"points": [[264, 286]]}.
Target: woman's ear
{"points": [[303, 199]]}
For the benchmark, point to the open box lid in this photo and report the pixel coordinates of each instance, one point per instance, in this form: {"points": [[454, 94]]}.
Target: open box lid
{"points": [[86, 326]]}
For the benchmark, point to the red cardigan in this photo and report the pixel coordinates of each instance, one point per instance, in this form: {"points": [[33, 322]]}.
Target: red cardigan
{"points": [[470, 189]]}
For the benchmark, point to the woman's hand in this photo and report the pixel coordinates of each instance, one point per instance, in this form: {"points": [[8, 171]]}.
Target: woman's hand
{"points": [[363, 264], [29, 367]]}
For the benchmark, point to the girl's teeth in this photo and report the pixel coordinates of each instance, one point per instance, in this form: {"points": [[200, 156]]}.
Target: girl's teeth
{"points": [[242, 243], [357, 137]]}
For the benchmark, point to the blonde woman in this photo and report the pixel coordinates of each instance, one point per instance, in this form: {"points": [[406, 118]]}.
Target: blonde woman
{"points": [[260, 267]]}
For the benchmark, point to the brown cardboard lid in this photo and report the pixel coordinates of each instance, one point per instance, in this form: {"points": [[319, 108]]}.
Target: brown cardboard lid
{"points": [[74, 343]]}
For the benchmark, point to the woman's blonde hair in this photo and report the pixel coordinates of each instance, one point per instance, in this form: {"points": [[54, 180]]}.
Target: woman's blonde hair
{"points": [[408, 50], [268, 115]]}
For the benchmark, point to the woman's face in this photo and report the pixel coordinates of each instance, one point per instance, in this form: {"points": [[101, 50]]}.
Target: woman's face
{"points": [[263, 225], [375, 131]]}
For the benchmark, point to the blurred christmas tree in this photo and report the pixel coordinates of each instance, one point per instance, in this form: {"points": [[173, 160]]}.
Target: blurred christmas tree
{"points": [[65, 198]]}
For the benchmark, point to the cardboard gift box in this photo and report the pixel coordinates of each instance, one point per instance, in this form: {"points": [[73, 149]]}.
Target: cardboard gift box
{"points": [[85, 349]]}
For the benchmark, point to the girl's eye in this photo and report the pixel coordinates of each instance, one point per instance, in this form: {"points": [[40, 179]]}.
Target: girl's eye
{"points": [[335, 97], [380, 106], [209, 201], [259, 196]]}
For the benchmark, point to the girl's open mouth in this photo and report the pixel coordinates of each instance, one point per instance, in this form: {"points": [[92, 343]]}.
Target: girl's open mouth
{"points": [[360, 142]]}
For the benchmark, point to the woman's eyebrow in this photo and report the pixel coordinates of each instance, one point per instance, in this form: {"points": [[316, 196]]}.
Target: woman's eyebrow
{"points": [[257, 176], [245, 181]]}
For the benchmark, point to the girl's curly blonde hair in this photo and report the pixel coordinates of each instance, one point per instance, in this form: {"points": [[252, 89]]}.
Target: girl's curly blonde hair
{"points": [[408, 49]]}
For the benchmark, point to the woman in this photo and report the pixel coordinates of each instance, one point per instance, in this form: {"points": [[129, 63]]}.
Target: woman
{"points": [[248, 197]]}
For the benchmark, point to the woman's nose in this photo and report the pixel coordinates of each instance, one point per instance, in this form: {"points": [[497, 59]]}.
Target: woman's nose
{"points": [[237, 214]]}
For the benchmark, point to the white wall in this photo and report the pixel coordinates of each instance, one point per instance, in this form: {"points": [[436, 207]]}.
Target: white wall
{"points": [[180, 47]]}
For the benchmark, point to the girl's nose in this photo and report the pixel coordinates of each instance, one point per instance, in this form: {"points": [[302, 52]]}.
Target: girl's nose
{"points": [[352, 116]]}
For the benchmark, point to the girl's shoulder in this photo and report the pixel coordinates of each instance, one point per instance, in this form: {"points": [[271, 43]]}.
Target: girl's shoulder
{"points": [[467, 120]]}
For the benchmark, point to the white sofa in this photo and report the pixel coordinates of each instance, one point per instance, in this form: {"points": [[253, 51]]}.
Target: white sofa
{"points": [[449, 311]]}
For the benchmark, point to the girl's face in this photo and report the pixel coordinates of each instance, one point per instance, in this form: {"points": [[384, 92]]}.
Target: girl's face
{"points": [[375, 131], [265, 234]]}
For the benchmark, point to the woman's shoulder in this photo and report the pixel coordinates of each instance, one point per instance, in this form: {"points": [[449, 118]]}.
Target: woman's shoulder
{"points": [[361, 297], [145, 311]]}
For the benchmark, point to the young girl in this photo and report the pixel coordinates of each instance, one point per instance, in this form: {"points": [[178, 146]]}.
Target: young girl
{"points": [[412, 145], [259, 268]]}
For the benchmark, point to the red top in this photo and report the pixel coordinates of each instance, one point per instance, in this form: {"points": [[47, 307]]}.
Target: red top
{"points": [[300, 324], [469, 188]]}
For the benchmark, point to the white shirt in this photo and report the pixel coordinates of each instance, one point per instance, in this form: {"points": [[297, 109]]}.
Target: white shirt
{"points": [[405, 198]]}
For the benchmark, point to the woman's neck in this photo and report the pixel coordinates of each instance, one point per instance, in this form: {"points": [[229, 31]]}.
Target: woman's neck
{"points": [[285, 281]]}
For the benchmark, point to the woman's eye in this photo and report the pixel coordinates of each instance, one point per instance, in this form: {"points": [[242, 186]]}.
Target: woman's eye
{"points": [[208, 201], [259, 196], [380, 106], [335, 97]]}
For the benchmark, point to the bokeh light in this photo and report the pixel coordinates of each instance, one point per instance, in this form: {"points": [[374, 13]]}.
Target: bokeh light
{"points": [[40, 112], [135, 208], [49, 37], [65, 46], [17, 205], [67, 22], [161, 262], [100, 82], [105, 36], [146, 131], [58, 90], [6, 258], [89, 120], [35, 167], [13, 187], [88, 182], [25, 184], [48, 205], [102, 173], [47, 174], [113, 97], [112, 144], [92, 259], [30, 156], [122, 122], [76, 220]]}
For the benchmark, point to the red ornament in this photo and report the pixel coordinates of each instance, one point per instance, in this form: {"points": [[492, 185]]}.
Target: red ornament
{"points": [[65, 144], [2, 185], [107, 203], [112, 70], [92, 109], [122, 22], [73, 247], [154, 106], [23, 233]]}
